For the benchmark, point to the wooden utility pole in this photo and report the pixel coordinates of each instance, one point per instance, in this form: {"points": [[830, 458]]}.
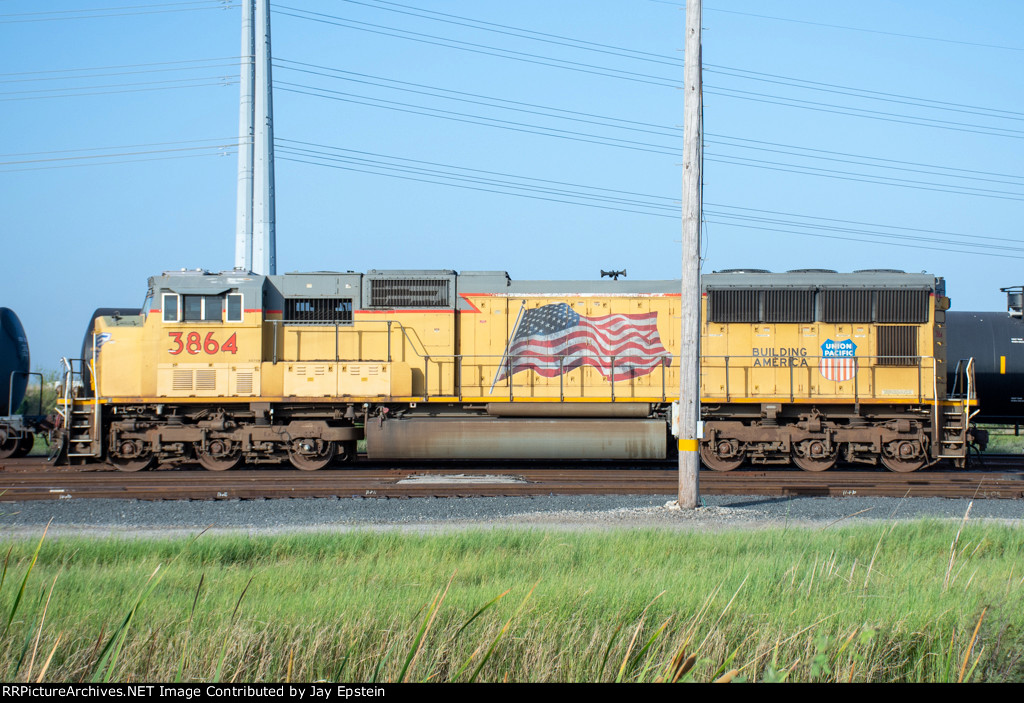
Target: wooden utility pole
{"points": [[689, 305]]}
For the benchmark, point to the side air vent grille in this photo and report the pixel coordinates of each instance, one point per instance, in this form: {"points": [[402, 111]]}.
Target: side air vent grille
{"points": [[782, 305], [733, 306], [897, 346], [318, 311], [410, 293], [907, 306]]}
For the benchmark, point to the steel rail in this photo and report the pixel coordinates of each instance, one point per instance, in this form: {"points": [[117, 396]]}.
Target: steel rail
{"points": [[495, 480]]}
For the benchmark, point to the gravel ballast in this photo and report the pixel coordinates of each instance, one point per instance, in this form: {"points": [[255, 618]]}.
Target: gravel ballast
{"points": [[171, 518]]}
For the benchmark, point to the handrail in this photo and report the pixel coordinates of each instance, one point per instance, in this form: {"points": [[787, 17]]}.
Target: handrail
{"points": [[10, 393], [310, 326], [732, 362]]}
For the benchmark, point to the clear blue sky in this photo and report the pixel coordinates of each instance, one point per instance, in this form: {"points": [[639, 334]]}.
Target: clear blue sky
{"points": [[916, 115]]}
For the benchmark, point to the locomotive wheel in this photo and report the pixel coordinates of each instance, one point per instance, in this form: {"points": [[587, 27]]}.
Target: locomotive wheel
{"points": [[311, 454], [902, 466], [901, 462], [131, 464], [808, 463], [220, 455], [719, 463], [9, 447], [133, 455], [815, 458], [25, 445]]}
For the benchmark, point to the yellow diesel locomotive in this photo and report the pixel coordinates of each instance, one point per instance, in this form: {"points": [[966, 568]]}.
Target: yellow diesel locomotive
{"points": [[810, 367]]}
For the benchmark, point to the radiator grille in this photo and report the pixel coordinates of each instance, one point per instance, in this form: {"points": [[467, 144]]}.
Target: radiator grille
{"points": [[318, 311], [409, 293], [733, 306], [902, 306], [846, 305], [897, 346], [781, 305]]}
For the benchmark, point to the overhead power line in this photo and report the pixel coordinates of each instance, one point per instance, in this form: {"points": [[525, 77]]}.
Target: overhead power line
{"points": [[100, 12], [125, 65], [789, 81], [533, 35], [523, 127], [220, 83], [459, 177], [665, 149], [867, 114], [641, 127], [108, 74], [902, 35], [480, 48]]}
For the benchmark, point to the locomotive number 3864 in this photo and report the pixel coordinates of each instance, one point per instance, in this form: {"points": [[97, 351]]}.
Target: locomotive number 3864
{"points": [[194, 344]]}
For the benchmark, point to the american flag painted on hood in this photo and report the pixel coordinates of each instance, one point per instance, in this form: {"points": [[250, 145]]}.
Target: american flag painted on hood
{"points": [[553, 339]]}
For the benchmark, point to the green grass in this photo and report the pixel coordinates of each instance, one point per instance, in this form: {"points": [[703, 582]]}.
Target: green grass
{"points": [[1002, 440], [881, 602]]}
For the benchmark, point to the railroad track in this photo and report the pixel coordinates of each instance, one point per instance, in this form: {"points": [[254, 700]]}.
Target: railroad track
{"points": [[26, 482]]}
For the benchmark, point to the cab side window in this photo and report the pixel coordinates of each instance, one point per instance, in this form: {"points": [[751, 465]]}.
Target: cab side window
{"points": [[170, 308], [235, 307], [203, 308]]}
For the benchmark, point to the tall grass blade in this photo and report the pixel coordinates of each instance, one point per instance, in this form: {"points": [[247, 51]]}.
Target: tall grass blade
{"points": [[7, 559], [24, 581], [490, 604], [188, 633], [974, 637], [381, 662], [46, 665], [501, 633], [417, 644], [234, 619], [636, 633], [108, 657], [952, 547], [39, 633], [341, 667], [608, 650]]}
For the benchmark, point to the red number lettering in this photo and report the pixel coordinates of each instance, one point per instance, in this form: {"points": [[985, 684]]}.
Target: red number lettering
{"points": [[230, 345], [210, 344], [192, 343], [176, 336]]}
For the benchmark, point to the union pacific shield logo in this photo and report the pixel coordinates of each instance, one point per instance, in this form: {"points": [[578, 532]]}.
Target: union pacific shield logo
{"points": [[839, 360]]}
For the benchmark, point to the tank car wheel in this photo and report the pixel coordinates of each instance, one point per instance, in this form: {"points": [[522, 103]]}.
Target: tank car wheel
{"points": [[311, 454], [25, 445], [710, 457], [8, 446], [815, 457], [220, 455]]}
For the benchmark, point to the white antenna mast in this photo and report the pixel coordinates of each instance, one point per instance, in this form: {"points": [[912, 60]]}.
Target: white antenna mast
{"points": [[246, 117], [256, 238]]}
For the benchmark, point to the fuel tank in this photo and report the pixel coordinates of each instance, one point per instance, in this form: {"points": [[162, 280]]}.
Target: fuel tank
{"points": [[516, 438]]}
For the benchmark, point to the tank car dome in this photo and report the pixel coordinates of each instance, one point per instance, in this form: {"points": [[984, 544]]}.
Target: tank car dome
{"points": [[14, 360]]}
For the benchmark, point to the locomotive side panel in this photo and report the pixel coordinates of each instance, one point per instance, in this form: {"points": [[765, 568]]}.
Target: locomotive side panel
{"points": [[801, 367]]}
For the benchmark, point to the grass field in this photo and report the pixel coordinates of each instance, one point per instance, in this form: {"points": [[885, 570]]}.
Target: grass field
{"points": [[878, 603]]}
